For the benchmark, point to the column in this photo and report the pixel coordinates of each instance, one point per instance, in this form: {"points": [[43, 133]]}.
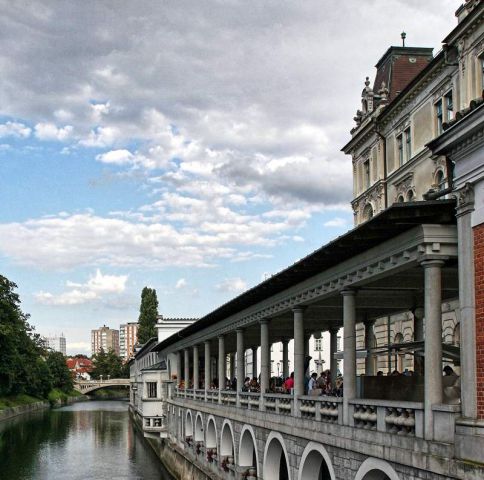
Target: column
{"points": [[368, 345], [178, 368], [232, 366], [208, 367], [285, 358], [418, 335], [298, 351], [240, 359], [221, 365], [254, 362], [196, 368], [433, 341], [265, 357], [465, 207], [333, 347], [186, 365], [349, 369]]}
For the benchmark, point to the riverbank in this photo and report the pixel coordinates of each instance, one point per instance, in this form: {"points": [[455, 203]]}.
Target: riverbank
{"points": [[20, 404]]}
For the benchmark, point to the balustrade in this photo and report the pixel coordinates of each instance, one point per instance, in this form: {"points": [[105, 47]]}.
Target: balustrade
{"points": [[278, 403], [229, 397], [199, 395]]}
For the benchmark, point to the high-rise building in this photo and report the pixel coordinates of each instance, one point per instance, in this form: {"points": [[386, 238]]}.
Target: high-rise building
{"points": [[128, 336], [56, 343], [106, 339]]}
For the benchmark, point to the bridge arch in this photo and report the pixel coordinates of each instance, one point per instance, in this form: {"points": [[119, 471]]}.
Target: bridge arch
{"points": [[248, 454], [227, 444], [376, 469], [199, 428], [315, 463], [211, 433], [188, 424], [276, 459]]}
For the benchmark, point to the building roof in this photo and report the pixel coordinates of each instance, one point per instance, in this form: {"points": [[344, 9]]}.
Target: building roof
{"points": [[387, 224], [145, 348], [157, 366]]}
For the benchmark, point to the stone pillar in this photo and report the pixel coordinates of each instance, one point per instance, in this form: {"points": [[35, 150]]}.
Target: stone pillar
{"points": [[265, 357], [240, 359], [186, 364], [298, 351], [433, 342], [221, 365], [285, 358], [333, 348], [232, 366], [178, 368], [254, 362], [196, 368], [368, 345], [418, 336], [349, 369], [468, 362], [208, 366]]}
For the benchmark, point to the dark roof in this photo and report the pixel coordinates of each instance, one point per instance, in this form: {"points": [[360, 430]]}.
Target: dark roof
{"points": [[157, 366], [391, 222], [146, 348]]}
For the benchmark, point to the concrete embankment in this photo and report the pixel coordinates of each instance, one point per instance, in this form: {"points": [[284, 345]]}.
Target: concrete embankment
{"points": [[179, 467]]}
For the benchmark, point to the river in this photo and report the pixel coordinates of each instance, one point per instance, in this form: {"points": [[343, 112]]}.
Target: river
{"points": [[87, 440]]}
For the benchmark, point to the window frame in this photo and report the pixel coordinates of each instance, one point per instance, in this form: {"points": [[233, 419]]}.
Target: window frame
{"points": [[151, 389]]}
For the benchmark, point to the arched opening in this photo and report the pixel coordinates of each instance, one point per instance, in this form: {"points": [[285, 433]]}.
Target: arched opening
{"points": [[188, 425], [315, 463], [211, 435], [227, 450], [247, 449], [400, 199], [410, 196], [275, 460], [198, 429], [440, 180], [368, 212], [376, 469], [376, 475]]}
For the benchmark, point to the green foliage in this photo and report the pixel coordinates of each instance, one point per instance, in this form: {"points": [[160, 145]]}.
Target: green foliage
{"points": [[61, 376], [148, 314], [26, 367], [108, 365], [16, 401]]}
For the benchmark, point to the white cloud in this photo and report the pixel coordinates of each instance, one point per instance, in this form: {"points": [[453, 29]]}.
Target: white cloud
{"points": [[95, 289], [116, 157], [232, 285], [14, 129], [49, 131], [181, 283], [336, 222]]}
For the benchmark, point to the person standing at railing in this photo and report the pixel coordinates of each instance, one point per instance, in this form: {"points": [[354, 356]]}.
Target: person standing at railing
{"points": [[289, 383]]}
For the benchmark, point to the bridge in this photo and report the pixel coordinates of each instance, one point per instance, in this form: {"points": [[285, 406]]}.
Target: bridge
{"points": [[86, 387]]}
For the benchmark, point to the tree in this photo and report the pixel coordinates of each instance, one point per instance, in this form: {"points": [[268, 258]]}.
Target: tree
{"points": [[108, 364], [148, 314], [60, 374]]}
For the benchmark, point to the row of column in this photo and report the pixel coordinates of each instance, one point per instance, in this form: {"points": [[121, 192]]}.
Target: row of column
{"points": [[433, 349]]}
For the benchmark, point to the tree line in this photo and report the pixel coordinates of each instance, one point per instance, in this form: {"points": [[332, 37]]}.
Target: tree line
{"points": [[26, 365]]}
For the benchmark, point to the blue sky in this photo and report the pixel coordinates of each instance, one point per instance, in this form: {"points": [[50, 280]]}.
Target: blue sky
{"points": [[192, 148]]}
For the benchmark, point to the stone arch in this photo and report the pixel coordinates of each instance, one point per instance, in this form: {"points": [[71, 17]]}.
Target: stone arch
{"points": [[199, 428], [315, 463], [410, 196], [248, 454], [211, 433], [456, 335], [439, 179], [188, 424], [276, 459], [400, 199], [375, 469], [227, 444]]}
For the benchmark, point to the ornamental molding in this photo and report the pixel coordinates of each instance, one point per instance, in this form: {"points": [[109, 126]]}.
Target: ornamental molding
{"points": [[465, 199]]}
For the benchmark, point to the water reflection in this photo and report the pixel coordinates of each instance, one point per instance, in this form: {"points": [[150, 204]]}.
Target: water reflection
{"points": [[89, 440]]}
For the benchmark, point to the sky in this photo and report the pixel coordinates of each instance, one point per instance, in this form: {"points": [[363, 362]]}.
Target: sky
{"points": [[193, 147]]}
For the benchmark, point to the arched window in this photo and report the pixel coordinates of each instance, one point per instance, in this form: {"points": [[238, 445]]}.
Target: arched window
{"points": [[227, 442], [315, 463], [440, 180], [247, 449], [211, 434], [410, 196], [188, 425], [198, 429], [368, 212], [276, 465], [400, 199]]}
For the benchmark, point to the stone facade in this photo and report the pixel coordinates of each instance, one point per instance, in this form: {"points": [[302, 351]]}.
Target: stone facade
{"points": [[479, 283]]}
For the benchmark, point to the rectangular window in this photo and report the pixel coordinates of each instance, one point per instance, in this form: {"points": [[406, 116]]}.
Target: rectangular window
{"points": [[318, 345], [151, 389], [408, 144], [400, 150], [449, 106], [366, 169], [439, 115]]}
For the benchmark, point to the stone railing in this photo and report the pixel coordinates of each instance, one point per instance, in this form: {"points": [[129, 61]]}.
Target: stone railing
{"points": [[278, 403], [397, 417], [321, 408], [229, 397], [250, 400], [154, 424], [212, 396], [189, 393], [199, 395]]}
